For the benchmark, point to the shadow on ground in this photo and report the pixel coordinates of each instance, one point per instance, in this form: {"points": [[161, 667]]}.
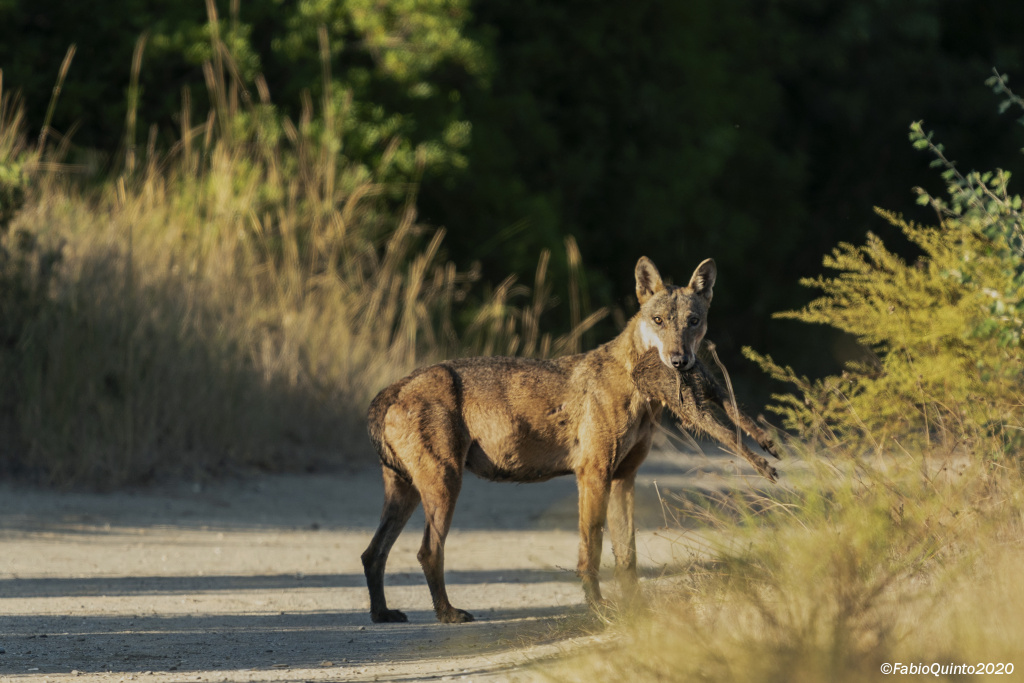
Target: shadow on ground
{"points": [[166, 585], [179, 643]]}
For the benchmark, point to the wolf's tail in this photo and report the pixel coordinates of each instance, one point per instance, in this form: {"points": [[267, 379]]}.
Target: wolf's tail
{"points": [[375, 426], [375, 418]]}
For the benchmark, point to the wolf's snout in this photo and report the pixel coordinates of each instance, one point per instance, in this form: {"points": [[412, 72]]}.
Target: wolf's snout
{"points": [[682, 361]]}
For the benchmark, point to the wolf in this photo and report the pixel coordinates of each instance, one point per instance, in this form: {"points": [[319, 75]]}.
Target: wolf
{"points": [[525, 420]]}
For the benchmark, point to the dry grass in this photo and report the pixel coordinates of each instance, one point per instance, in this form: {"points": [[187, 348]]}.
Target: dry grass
{"points": [[233, 302], [834, 577]]}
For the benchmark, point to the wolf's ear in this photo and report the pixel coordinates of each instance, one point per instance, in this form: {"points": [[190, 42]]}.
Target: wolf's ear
{"points": [[703, 280], [648, 280]]}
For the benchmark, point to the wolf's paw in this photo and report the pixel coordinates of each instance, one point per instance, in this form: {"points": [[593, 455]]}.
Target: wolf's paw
{"points": [[388, 616], [454, 616]]}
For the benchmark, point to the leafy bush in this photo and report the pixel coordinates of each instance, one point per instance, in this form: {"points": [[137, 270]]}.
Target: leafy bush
{"points": [[944, 357]]}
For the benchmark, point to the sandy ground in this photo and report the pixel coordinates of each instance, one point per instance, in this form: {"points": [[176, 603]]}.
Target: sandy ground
{"points": [[260, 579]]}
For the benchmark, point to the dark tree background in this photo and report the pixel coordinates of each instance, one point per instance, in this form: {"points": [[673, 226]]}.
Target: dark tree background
{"points": [[757, 132]]}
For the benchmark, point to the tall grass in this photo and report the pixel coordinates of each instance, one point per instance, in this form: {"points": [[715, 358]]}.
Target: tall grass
{"points": [[844, 571], [234, 301]]}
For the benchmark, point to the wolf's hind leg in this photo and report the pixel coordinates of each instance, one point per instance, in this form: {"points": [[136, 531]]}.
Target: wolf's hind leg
{"points": [[438, 506], [400, 500]]}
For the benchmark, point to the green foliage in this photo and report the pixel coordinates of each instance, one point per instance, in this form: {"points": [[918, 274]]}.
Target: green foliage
{"points": [[12, 191], [983, 200], [945, 357], [394, 67], [398, 66], [13, 159]]}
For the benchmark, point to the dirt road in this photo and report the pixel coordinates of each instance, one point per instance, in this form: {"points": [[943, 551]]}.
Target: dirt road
{"points": [[260, 579]]}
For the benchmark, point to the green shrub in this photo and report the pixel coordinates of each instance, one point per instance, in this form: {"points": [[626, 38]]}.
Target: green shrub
{"points": [[942, 335]]}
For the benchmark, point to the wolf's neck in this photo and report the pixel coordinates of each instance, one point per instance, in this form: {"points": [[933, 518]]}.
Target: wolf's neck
{"points": [[626, 348]]}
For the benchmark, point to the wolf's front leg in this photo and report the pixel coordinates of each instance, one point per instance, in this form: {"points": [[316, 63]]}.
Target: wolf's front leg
{"points": [[623, 533], [621, 521], [594, 488]]}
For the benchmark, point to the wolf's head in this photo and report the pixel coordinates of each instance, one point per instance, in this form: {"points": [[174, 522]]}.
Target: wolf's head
{"points": [[673, 319]]}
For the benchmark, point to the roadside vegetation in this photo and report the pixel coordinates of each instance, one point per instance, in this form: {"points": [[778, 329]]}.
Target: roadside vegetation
{"points": [[898, 533], [231, 300]]}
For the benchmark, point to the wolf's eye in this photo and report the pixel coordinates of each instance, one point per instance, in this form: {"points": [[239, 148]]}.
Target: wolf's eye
{"points": [[658, 320], [694, 321]]}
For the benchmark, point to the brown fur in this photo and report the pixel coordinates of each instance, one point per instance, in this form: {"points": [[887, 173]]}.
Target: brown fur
{"points": [[516, 419]]}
